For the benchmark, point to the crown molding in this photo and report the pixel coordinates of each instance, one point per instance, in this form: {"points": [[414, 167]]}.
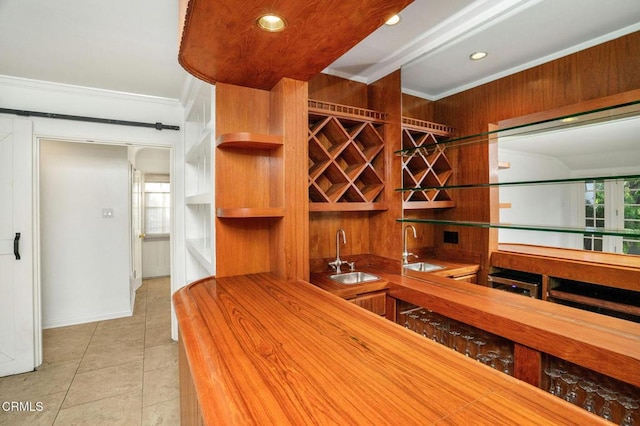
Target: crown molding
{"points": [[50, 86]]}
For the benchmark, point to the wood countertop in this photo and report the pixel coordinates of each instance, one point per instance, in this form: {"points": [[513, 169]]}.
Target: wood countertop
{"points": [[261, 350]]}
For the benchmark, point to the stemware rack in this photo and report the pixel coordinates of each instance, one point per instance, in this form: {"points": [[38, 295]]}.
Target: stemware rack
{"points": [[586, 389], [490, 349]]}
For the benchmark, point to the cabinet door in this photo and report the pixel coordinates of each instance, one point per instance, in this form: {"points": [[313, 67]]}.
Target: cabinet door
{"points": [[374, 302], [473, 278]]}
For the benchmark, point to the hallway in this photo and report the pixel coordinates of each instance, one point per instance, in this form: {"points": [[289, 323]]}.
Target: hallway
{"points": [[115, 372]]}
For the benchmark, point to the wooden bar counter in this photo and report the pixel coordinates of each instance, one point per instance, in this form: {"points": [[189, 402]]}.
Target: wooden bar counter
{"points": [[255, 349]]}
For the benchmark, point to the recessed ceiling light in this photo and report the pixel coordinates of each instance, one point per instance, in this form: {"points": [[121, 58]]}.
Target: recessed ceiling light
{"points": [[272, 23], [393, 20], [476, 56]]}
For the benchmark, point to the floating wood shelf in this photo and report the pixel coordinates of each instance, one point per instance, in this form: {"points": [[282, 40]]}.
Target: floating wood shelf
{"points": [[250, 212], [241, 140], [346, 207]]}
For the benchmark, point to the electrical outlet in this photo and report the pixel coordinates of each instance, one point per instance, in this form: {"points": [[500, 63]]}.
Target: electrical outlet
{"points": [[451, 237]]}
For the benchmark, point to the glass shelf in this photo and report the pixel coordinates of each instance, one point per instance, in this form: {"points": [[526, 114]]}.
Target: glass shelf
{"points": [[517, 183], [615, 112], [628, 233]]}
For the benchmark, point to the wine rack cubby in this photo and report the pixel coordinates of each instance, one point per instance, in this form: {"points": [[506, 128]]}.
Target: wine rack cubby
{"points": [[426, 167], [346, 158]]}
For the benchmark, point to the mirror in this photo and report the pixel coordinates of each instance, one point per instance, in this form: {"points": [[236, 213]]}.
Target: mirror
{"points": [[568, 182], [573, 152]]}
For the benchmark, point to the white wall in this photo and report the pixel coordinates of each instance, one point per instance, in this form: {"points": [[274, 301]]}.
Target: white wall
{"points": [[24, 94], [550, 205], [84, 256]]}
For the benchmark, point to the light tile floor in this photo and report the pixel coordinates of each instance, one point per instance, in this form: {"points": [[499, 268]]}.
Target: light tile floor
{"points": [[116, 372]]}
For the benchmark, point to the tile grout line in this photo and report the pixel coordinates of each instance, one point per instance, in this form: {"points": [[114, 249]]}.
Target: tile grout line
{"points": [[66, 394], [144, 350]]}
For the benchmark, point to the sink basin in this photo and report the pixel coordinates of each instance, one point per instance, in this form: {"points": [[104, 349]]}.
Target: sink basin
{"points": [[354, 278], [423, 267]]}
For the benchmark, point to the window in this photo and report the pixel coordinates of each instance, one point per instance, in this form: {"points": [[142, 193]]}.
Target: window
{"points": [[594, 213], [157, 208], [631, 214], [614, 205]]}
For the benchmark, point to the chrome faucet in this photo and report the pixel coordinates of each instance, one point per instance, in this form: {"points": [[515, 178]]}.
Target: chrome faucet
{"points": [[336, 264], [405, 252]]}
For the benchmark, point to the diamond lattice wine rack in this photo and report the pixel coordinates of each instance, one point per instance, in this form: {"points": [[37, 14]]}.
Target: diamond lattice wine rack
{"points": [[427, 167], [346, 158]]}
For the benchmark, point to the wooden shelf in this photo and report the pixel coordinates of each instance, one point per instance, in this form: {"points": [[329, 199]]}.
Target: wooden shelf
{"points": [[347, 207], [418, 205], [240, 140], [250, 212], [595, 302]]}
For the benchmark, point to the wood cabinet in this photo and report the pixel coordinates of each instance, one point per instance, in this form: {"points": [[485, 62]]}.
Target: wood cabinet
{"points": [[532, 336], [375, 302]]}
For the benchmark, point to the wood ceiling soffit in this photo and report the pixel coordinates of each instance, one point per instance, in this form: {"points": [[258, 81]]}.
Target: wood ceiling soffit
{"points": [[221, 42]]}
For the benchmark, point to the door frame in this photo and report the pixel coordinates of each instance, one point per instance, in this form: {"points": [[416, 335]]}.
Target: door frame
{"points": [[37, 279]]}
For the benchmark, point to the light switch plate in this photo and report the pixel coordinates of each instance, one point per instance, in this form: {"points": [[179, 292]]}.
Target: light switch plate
{"points": [[107, 213]]}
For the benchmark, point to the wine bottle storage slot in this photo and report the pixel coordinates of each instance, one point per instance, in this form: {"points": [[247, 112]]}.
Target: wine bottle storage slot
{"points": [[346, 159], [425, 166]]}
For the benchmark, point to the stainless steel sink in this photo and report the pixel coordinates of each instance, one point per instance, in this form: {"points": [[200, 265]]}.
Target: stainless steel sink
{"points": [[423, 267], [354, 278]]}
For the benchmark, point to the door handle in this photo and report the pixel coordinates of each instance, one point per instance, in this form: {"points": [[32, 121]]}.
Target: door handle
{"points": [[16, 246]]}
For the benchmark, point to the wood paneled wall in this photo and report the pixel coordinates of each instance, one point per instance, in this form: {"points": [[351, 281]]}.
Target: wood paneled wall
{"points": [[263, 178], [367, 232], [603, 70]]}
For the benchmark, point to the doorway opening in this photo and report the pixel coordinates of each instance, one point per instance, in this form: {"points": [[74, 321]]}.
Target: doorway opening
{"points": [[86, 219]]}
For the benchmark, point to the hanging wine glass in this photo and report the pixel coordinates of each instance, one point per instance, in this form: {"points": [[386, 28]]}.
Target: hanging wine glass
{"points": [[435, 323], [571, 380], [590, 389], [608, 396], [629, 405], [414, 323], [406, 324], [453, 339], [554, 384], [424, 318], [506, 361], [467, 338], [479, 345], [493, 356], [442, 331]]}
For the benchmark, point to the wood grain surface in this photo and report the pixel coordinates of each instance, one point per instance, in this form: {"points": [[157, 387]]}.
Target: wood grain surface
{"points": [[261, 350], [222, 43]]}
